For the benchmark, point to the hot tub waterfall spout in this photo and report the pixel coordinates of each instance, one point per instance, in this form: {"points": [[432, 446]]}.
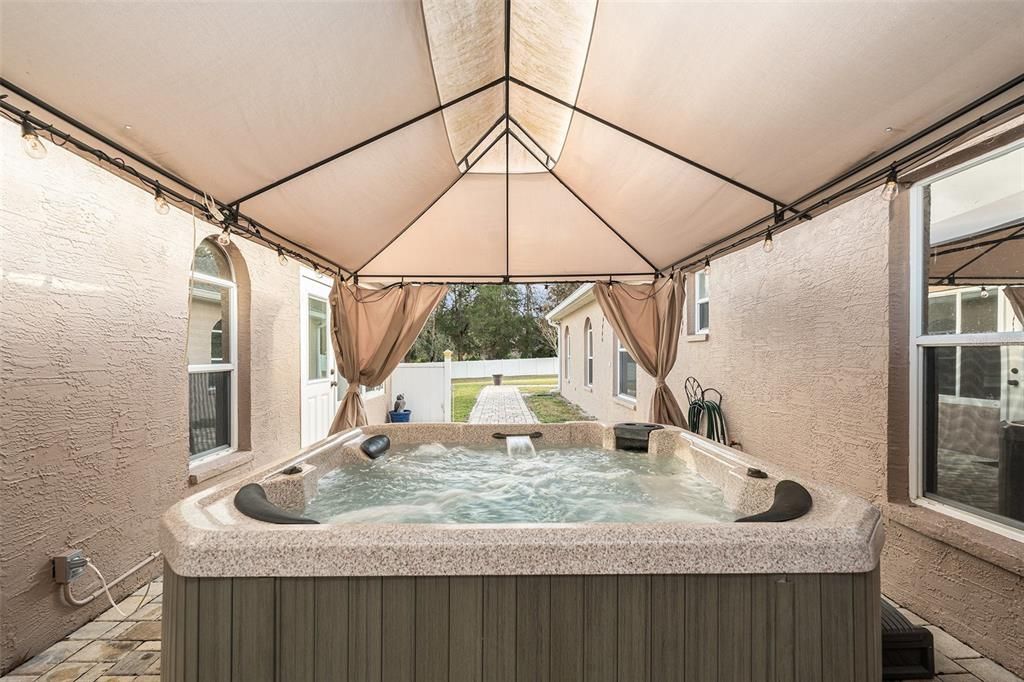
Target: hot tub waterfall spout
{"points": [[520, 446]]}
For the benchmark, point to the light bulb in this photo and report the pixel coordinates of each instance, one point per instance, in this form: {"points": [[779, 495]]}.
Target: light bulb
{"points": [[984, 292], [707, 265], [34, 147], [224, 238], [768, 245], [892, 188], [160, 204], [281, 258]]}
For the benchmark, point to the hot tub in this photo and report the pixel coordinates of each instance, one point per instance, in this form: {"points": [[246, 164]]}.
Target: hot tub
{"points": [[579, 562]]}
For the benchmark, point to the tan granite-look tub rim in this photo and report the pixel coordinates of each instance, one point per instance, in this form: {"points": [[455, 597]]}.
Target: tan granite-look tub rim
{"points": [[204, 535]]}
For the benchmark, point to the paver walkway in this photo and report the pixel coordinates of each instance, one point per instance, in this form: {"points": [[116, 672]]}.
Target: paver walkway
{"points": [[108, 649], [113, 649], [501, 405], [954, 660]]}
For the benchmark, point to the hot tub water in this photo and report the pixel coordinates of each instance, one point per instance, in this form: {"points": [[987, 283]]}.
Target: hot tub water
{"points": [[436, 483]]}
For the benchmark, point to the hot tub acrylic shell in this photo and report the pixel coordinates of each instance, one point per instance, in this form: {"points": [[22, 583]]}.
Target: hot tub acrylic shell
{"points": [[246, 600]]}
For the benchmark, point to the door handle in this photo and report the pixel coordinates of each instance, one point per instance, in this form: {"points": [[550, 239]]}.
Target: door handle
{"points": [[1012, 382], [333, 384]]}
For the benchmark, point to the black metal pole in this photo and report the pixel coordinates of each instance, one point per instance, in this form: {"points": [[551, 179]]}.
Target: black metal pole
{"points": [[462, 174], [251, 229], [649, 143], [370, 140], [580, 199]]}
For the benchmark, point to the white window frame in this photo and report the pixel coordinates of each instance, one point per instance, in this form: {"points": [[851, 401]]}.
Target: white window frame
{"points": [[1001, 312], [232, 288], [588, 353], [698, 300], [920, 340], [617, 388], [567, 347]]}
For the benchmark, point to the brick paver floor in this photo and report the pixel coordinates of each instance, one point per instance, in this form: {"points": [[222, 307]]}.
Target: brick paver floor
{"points": [[107, 649], [501, 405], [115, 649]]}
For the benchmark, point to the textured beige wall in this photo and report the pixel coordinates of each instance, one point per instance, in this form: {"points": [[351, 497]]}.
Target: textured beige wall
{"points": [[93, 409], [798, 346]]}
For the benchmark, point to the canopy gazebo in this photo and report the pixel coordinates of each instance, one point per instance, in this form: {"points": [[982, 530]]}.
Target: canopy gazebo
{"points": [[485, 141], [509, 142]]}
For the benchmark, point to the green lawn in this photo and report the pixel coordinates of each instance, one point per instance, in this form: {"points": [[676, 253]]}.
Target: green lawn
{"points": [[539, 392]]}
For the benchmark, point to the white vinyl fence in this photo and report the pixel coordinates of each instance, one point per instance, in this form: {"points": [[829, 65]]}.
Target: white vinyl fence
{"points": [[427, 386], [518, 367]]}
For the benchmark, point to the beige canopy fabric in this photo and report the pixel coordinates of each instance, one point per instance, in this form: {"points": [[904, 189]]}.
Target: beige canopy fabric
{"points": [[372, 329], [356, 130], [646, 318], [1015, 295]]}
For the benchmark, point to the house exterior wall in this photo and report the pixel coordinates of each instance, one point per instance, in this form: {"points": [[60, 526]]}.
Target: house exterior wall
{"points": [[94, 401], [782, 326], [809, 346]]}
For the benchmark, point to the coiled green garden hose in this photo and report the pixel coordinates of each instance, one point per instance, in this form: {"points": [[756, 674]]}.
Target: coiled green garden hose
{"points": [[704, 413]]}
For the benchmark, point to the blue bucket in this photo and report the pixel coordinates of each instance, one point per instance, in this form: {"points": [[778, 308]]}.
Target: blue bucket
{"points": [[400, 417]]}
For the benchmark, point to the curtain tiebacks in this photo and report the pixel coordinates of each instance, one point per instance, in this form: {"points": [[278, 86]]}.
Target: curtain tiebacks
{"points": [[352, 388]]}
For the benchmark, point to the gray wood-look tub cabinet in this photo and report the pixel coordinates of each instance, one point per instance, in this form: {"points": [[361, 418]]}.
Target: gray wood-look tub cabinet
{"points": [[247, 601]]}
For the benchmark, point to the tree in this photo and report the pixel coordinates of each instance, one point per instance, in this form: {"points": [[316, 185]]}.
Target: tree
{"points": [[491, 322]]}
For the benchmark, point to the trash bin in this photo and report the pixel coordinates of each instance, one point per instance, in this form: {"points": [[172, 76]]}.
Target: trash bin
{"points": [[497, 379], [1011, 471], [399, 417]]}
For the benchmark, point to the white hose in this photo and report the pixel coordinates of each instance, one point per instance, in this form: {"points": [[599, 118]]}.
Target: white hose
{"points": [[73, 601], [90, 564]]}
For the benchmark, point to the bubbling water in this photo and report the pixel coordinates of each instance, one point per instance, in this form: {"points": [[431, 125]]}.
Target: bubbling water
{"points": [[435, 483]]}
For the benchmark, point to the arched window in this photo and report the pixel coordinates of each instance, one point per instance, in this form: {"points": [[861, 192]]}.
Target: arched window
{"points": [[212, 353], [588, 353], [567, 354]]}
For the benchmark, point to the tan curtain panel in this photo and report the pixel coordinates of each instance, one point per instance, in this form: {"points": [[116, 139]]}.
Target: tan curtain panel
{"points": [[1016, 297], [647, 318], [372, 330]]}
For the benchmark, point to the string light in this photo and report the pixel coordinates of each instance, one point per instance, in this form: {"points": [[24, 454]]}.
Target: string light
{"points": [[768, 245], [281, 258], [891, 188], [984, 292], [707, 265], [160, 204], [33, 146]]}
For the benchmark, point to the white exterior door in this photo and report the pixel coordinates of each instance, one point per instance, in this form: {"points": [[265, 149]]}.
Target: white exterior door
{"points": [[319, 373]]}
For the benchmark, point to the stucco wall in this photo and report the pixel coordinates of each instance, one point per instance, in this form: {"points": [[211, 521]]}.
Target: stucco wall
{"points": [[797, 345], [93, 408]]}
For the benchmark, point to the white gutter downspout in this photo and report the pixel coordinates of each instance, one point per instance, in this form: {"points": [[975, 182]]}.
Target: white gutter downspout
{"points": [[558, 348]]}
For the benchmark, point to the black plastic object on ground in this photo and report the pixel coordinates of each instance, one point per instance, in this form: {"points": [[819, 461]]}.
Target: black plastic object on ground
{"points": [[1011, 470], [791, 502], [633, 436], [908, 651], [375, 446], [251, 500]]}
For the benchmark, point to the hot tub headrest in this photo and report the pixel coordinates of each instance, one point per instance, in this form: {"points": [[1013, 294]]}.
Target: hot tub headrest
{"points": [[251, 500], [791, 502], [375, 446]]}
